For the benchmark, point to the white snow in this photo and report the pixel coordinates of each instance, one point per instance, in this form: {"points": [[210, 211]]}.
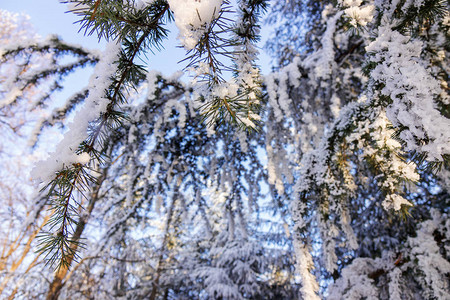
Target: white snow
{"points": [[192, 17], [94, 105]]}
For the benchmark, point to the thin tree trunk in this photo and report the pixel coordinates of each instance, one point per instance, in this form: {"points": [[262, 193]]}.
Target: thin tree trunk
{"points": [[33, 263], [155, 283], [16, 264], [57, 283]]}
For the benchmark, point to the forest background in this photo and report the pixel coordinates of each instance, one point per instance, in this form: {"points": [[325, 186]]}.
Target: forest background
{"points": [[325, 177]]}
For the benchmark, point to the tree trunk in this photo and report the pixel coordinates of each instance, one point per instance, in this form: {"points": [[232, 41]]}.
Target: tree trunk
{"points": [[16, 264], [155, 283], [57, 283]]}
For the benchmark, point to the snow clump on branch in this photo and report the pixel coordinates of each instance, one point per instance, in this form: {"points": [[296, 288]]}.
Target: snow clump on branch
{"points": [[95, 105], [192, 17], [359, 15]]}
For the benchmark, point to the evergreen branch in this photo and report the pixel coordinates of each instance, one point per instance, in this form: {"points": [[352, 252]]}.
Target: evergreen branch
{"points": [[415, 19], [29, 79], [127, 69], [242, 107], [61, 248]]}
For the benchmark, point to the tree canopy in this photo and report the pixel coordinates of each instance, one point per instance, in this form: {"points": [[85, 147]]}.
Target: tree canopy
{"points": [[326, 178]]}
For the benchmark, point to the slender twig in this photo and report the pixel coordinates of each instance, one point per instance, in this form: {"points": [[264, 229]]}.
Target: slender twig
{"points": [[123, 77], [96, 5]]}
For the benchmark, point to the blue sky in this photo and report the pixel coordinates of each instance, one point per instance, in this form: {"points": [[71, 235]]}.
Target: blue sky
{"points": [[50, 17]]}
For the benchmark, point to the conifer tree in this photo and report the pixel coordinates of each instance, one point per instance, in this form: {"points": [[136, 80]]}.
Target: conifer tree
{"points": [[326, 178]]}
